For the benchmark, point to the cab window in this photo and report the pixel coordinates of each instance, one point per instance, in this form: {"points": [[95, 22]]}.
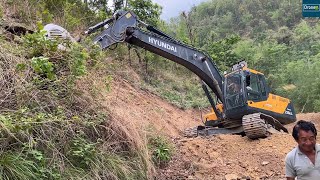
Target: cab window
{"points": [[233, 84], [256, 89], [263, 87]]}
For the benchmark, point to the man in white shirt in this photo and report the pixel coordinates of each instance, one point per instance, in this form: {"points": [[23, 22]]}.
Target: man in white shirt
{"points": [[303, 162]]}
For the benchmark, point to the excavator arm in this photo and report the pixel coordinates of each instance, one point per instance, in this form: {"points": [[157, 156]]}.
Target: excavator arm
{"points": [[124, 26]]}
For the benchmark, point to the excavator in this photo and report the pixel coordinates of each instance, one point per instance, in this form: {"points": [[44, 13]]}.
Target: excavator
{"points": [[241, 102]]}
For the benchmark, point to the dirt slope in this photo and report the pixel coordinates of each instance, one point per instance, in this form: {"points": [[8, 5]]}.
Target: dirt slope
{"points": [[218, 157], [146, 110]]}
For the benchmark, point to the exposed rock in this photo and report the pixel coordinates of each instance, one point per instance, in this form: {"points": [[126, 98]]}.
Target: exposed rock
{"points": [[16, 28], [231, 177]]}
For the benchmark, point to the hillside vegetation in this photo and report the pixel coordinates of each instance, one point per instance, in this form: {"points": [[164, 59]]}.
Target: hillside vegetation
{"points": [[54, 124]]}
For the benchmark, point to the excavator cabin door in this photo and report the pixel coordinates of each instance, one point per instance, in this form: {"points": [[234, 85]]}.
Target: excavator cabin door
{"points": [[241, 88]]}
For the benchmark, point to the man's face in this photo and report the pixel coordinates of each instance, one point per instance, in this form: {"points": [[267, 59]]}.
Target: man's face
{"points": [[306, 141]]}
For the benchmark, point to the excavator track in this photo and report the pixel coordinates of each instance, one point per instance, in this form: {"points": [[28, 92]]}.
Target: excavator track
{"points": [[254, 126], [257, 125], [209, 131]]}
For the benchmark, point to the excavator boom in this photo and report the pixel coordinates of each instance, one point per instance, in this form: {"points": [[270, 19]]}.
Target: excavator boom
{"points": [[123, 27]]}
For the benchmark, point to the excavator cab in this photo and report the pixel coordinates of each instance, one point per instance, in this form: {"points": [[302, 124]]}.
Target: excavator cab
{"points": [[246, 92], [241, 86]]}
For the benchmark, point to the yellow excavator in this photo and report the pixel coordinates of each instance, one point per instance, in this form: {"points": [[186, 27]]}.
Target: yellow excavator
{"points": [[248, 106], [241, 100]]}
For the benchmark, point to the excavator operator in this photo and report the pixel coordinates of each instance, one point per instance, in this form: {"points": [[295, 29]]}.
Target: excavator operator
{"points": [[233, 86]]}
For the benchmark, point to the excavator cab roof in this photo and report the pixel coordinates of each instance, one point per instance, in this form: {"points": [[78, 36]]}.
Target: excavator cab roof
{"points": [[242, 66]]}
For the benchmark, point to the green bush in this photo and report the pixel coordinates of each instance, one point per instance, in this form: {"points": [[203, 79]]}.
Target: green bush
{"points": [[42, 66], [162, 150], [82, 153], [38, 45], [77, 58]]}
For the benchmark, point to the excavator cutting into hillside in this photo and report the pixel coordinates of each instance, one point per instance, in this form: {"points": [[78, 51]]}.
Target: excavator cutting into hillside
{"points": [[242, 102]]}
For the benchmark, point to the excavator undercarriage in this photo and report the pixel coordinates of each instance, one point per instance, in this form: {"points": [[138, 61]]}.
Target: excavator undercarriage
{"points": [[254, 126]]}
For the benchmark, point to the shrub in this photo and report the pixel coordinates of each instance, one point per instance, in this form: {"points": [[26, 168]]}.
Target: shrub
{"points": [[38, 45], [162, 150], [82, 153]]}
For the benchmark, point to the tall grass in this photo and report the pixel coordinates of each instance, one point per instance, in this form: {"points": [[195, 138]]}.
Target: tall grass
{"points": [[14, 166], [53, 125]]}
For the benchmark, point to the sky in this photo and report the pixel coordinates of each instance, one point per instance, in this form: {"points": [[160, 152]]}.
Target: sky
{"points": [[172, 8]]}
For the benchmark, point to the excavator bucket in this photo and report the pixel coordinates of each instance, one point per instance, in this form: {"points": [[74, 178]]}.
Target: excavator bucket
{"points": [[116, 29]]}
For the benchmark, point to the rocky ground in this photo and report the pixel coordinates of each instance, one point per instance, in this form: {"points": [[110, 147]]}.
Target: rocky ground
{"points": [[232, 156]]}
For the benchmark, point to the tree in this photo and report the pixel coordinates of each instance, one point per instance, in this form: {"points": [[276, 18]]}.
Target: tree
{"points": [[222, 52], [146, 10]]}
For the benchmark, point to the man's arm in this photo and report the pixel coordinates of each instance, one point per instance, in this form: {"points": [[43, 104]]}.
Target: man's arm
{"points": [[290, 171]]}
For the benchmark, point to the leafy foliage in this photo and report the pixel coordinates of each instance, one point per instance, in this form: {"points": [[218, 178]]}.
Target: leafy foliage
{"points": [[52, 146], [306, 87], [42, 66], [78, 57], [82, 153], [38, 44], [162, 150], [222, 52], [146, 10]]}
